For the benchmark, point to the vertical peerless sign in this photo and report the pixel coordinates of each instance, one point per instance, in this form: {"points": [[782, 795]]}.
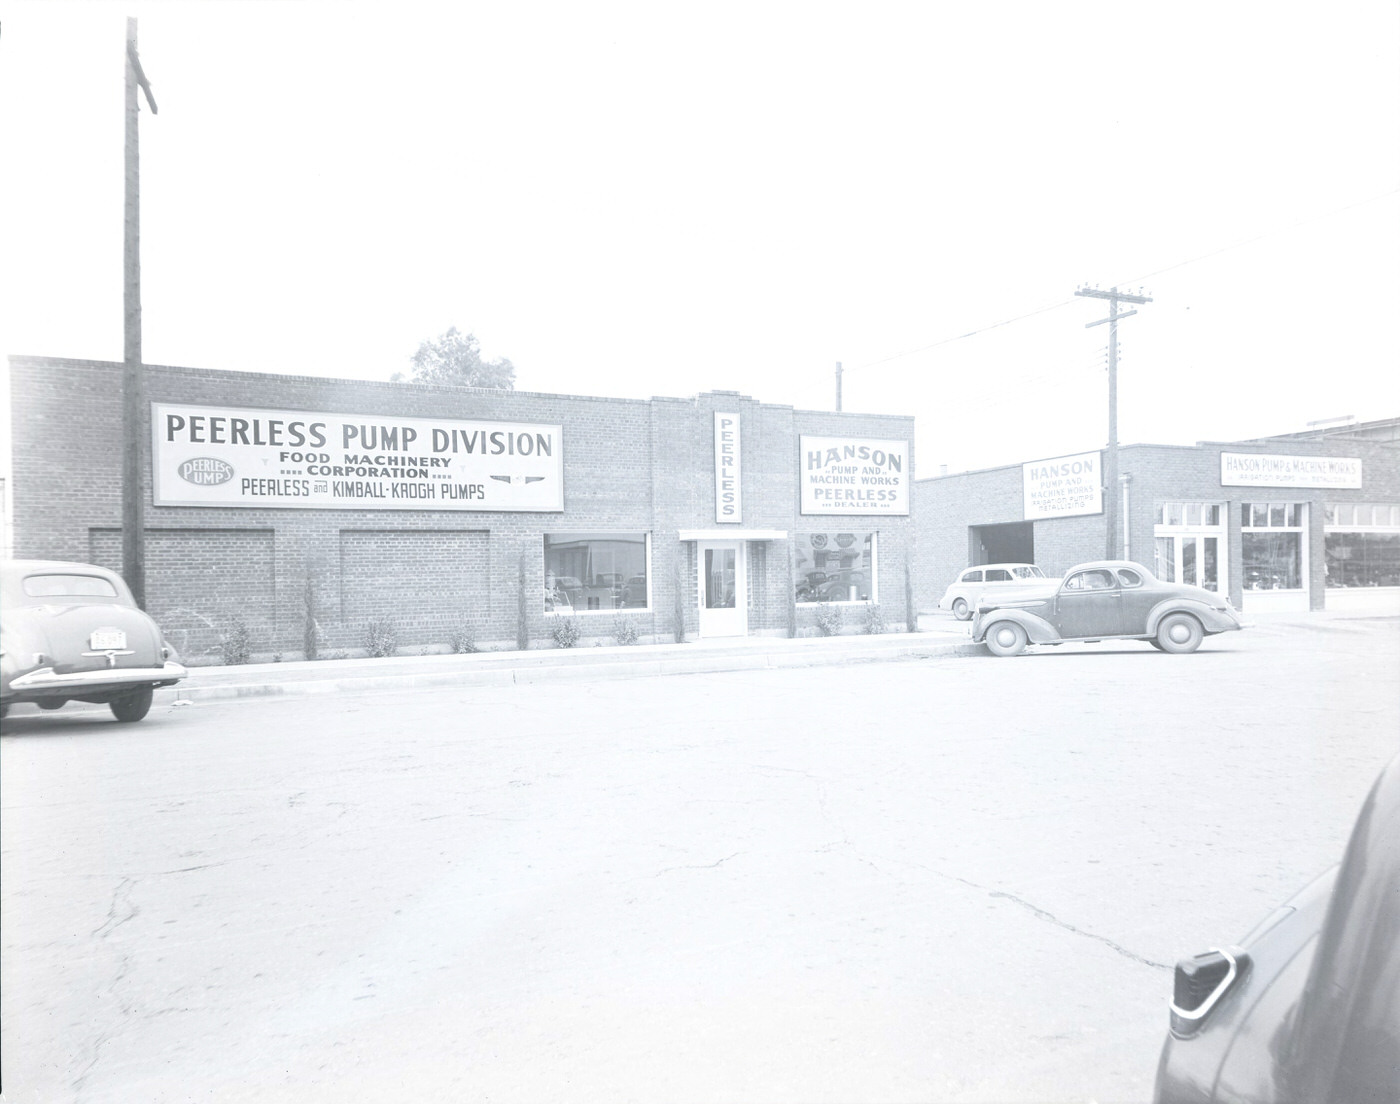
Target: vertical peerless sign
{"points": [[729, 502], [1063, 487], [854, 476], [295, 459]]}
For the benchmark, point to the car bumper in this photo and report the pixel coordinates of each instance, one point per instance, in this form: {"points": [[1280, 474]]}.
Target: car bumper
{"points": [[44, 681]]}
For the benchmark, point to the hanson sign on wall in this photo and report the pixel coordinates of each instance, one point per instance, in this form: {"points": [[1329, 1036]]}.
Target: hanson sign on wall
{"points": [[854, 476], [1065, 486], [292, 459]]}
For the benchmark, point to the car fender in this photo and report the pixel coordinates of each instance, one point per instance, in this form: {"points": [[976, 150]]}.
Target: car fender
{"points": [[1038, 630], [1213, 621]]}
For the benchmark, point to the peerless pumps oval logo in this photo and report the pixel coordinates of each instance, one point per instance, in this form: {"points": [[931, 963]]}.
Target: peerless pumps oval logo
{"points": [[205, 471]]}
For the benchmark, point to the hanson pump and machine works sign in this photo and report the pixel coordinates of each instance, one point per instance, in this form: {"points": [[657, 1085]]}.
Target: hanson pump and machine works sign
{"points": [[1065, 486], [1253, 469], [292, 459], [854, 476]]}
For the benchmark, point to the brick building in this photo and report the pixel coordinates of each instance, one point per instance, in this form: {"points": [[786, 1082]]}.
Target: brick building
{"points": [[1306, 521], [292, 504]]}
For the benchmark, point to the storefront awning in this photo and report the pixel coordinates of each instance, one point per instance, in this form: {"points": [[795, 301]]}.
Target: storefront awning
{"points": [[732, 534]]}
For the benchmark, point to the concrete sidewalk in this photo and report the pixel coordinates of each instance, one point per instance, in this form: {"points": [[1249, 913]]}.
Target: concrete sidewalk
{"points": [[939, 635]]}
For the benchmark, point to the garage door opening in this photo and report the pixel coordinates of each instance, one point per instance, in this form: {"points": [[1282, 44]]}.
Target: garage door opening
{"points": [[1010, 543]]}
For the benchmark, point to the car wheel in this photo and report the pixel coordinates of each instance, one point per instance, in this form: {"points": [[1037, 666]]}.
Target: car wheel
{"points": [[960, 610], [1154, 643], [132, 706], [1179, 633], [51, 703], [1006, 638], [5, 710]]}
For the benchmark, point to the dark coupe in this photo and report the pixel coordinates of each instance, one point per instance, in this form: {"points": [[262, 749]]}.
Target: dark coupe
{"points": [[71, 632], [1108, 599]]}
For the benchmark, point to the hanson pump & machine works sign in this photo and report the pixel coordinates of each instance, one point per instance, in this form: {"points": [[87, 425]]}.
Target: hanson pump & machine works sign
{"points": [[292, 459], [1253, 469], [1065, 486], [854, 476]]}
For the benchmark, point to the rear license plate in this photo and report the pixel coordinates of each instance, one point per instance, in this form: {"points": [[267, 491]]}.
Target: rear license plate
{"points": [[104, 639]]}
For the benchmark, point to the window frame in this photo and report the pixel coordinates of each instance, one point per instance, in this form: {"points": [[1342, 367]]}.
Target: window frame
{"points": [[601, 535]]}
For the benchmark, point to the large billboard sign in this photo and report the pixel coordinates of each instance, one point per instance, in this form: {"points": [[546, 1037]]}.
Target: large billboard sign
{"points": [[1253, 469], [294, 459], [854, 476], [1065, 486]]}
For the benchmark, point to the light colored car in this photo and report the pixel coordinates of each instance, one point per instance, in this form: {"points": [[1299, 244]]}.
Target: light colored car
{"points": [[1103, 600], [71, 632], [967, 589]]}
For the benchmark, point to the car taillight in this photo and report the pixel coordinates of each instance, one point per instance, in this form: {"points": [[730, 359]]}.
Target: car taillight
{"points": [[1200, 982]]}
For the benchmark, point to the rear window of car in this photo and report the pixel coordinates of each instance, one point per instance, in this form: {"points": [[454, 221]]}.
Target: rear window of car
{"points": [[68, 586], [1129, 578], [1028, 572]]}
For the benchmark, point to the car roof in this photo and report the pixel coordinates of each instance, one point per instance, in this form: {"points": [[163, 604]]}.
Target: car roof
{"points": [[1108, 563], [1018, 563], [31, 567]]}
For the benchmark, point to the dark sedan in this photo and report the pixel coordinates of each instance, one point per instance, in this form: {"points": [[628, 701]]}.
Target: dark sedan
{"points": [[71, 632], [1306, 1008], [1105, 600]]}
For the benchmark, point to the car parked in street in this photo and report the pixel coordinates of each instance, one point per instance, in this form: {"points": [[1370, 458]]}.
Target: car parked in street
{"points": [[966, 590], [71, 632], [1306, 1008], [1103, 600]]}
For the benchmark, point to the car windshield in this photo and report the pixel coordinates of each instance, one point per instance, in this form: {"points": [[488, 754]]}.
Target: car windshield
{"points": [[1030, 572], [68, 586]]}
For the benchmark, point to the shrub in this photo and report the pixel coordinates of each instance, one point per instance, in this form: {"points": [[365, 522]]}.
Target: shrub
{"points": [[874, 619], [829, 619], [381, 637], [565, 631], [235, 644], [311, 634], [462, 640], [624, 630]]}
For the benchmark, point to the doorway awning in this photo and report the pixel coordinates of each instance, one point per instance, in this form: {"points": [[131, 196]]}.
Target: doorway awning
{"points": [[732, 534]]}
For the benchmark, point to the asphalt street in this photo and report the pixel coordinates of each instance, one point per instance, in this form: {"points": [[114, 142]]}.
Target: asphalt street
{"points": [[947, 878]]}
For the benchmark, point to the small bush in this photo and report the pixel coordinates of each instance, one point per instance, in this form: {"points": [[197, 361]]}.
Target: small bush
{"points": [[624, 630], [381, 637], [874, 619], [565, 631], [829, 619], [462, 640], [235, 645]]}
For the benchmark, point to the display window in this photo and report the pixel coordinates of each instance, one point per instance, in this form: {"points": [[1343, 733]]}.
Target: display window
{"points": [[834, 567], [1271, 544], [592, 572], [1361, 544]]}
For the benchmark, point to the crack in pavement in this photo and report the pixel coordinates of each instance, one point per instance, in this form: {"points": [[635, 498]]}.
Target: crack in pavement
{"points": [[699, 866]]}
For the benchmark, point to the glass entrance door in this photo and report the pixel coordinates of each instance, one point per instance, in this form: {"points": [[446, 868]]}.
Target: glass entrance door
{"points": [[723, 589], [1192, 559]]}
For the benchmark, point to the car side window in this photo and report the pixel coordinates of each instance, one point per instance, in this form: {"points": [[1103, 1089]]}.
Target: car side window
{"points": [[998, 575], [1090, 580], [972, 576], [1129, 578]]}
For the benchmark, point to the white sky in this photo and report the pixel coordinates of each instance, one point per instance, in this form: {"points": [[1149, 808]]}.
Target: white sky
{"points": [[645, 199]]}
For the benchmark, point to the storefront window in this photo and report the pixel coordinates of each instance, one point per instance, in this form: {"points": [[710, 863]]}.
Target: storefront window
{"points": [[584, 572], [1271, 543], [1361, 544], [834, 567]]}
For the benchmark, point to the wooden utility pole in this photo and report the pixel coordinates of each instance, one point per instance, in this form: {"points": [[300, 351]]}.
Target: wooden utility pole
{"points": [[1111, 492], [133, 383]]}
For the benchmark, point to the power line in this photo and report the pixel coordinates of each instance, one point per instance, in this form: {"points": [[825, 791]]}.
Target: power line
{"points": [[1135, 280]]}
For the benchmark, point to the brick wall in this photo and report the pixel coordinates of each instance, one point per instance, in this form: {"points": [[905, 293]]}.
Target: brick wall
{"points": [[629, 466], [948, 505]]}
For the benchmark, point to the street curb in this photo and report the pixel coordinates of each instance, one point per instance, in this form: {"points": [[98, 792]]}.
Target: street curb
{"points": [[577, 667]]}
